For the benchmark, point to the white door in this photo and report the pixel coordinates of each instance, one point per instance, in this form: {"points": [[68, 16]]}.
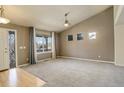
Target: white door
{"points": [[4, 52]]}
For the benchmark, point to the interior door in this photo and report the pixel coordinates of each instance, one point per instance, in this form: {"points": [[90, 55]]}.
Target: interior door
{"points": [[4, 53]]}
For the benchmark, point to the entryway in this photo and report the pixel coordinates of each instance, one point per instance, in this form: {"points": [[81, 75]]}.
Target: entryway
{"points": [[8, 49]]}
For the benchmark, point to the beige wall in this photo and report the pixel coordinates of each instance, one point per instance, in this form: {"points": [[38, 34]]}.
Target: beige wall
{"points": [[22, 40], [44, 56], [103, 46], [57, 44], [119, 36], [119, 45]]}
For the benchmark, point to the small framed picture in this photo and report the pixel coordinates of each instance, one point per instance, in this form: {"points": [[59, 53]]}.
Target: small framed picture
{"points": [[92, 35], [80, 36], [70, 37]]}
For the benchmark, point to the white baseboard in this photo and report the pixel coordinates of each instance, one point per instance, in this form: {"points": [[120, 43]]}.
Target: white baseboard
{"points": [[121, 65], [37, 62], [47, 59], [112, 62], [23, 65]]}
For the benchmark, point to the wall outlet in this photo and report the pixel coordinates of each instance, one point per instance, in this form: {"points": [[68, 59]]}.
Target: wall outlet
{"points": [[99, 56], [27, 59]]}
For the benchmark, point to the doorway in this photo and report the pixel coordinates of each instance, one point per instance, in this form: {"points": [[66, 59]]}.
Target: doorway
{"points": [[4, 57], [8, 48], [12, 50]]}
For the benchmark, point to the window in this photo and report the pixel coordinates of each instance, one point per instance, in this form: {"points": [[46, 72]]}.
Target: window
{"points": [[92, 35], [43, 43], [47, 44], [39, 43]]}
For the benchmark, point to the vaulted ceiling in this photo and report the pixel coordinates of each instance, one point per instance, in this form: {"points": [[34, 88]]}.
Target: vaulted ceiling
{"points": [[50, 17], [120, 15]]}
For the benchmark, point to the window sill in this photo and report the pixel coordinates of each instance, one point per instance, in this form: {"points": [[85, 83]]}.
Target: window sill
{"points": [[44, 52]]}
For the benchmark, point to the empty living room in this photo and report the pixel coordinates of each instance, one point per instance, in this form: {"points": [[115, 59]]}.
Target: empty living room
{"points": [[61, 45]]}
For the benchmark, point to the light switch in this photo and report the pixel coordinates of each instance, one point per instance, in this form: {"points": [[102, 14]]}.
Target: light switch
{"points": [[20, 47]]}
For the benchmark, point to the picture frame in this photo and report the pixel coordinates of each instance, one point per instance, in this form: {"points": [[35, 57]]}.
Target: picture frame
{"points": [[80, 36], [70, 37]]}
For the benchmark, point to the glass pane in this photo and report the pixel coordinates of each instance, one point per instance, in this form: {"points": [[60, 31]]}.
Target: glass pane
{"points": [[47, 43], [39, 44], [12, 58]]}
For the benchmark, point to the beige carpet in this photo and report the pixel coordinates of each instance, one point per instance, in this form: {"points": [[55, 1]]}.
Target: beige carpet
{"points": [[75, 73]]}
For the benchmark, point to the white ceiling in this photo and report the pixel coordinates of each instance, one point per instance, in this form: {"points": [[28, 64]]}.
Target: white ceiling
{"points": [[50, 17]]}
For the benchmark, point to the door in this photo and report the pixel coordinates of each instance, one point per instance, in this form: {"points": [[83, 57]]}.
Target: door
{"points": [[4, 53]]}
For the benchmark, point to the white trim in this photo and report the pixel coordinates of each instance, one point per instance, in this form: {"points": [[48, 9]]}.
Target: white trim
{"points": [[15, 43], [53, 46], [112, 62], [122, 65], [23, 65], [37, 62], [46, 59], [16, 47], [35, 50], [44, 52]]}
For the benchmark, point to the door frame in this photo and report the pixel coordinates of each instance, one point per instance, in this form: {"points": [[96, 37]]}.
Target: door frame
{"points": [[15, 31]]}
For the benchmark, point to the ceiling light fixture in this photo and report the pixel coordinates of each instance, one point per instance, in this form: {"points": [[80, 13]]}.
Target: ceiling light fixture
{"points": [[3, 20], [66, 24]]}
